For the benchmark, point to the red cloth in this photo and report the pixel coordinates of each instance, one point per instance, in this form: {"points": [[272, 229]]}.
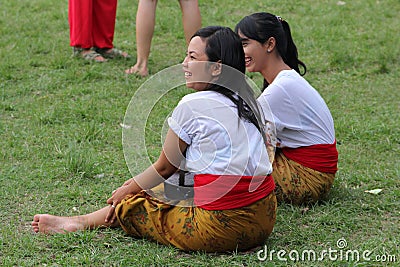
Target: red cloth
{"points": [[323, 157], [222, 192], [92, 23]]}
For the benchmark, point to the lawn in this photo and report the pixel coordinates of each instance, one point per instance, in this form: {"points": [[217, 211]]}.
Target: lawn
{"points": [[61, 124]]}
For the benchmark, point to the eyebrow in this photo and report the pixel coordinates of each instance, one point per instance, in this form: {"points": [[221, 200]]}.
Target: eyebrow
{"points": [[194, 52], [244, 39]]}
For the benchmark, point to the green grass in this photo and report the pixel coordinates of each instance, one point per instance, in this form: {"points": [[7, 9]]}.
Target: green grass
{"points": [[61, 141]]}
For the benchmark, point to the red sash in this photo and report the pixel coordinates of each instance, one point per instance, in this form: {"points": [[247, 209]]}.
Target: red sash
{"points": [[322, 158], [222, 192]]}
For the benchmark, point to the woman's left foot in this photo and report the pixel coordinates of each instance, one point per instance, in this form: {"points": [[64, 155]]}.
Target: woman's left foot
{"points": [[112, 53], [50, 224]]}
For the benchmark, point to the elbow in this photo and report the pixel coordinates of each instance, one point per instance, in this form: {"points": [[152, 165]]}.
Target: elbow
{"points": [[165, 169]]}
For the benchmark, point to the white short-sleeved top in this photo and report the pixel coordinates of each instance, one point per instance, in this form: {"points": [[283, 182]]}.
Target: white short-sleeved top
{"points": [[300, 114], [219, 142]]}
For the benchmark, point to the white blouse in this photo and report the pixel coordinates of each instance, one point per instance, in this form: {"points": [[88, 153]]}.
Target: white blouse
{"points": [[219, 142], [300, 114]]}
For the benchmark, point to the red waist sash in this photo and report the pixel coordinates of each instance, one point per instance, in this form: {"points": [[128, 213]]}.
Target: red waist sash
{"points": [[221, 192], [323, 157]]}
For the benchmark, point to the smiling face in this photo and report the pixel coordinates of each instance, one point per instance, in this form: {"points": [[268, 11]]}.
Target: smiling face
{"points": [[255, 54], [196, 68]]}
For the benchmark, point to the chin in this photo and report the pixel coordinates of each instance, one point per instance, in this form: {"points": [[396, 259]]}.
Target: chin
{"points": [[250, 69]]}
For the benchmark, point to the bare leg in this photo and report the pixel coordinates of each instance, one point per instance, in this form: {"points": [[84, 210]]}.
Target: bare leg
{"points": [[191, 18], [48, 224], [145, 22]]}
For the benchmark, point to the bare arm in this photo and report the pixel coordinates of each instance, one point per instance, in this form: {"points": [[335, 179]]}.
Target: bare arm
{"points": [[167, 163]]}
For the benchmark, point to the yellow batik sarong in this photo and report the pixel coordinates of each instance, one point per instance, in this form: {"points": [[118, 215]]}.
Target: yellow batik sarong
{"points": [[297, 184], [191, 228]]}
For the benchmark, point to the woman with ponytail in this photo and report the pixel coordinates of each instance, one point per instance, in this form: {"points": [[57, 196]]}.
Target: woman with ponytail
{"points": [[306, 157]]}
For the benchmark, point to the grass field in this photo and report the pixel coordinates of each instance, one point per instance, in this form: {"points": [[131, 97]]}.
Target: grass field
{"points": [[61, 146]]}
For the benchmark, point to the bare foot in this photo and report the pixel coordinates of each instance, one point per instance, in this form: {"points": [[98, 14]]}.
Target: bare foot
{"points": [[50, 224], [139, 70]]}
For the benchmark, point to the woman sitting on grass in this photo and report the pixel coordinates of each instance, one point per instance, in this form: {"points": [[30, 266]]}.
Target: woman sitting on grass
{"points": [[306, 157], [234, 201]]}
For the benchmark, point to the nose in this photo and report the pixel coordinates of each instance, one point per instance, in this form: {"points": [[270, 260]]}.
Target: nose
{"points": [[185, 61]]}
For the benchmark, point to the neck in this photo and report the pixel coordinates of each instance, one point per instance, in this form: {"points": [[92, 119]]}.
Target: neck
{"points": [[273, 68]]}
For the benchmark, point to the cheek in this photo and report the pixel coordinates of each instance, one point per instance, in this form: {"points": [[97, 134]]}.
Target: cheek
{"points": [[257, 51], [261, 55], [196, 68], [247, 50], [201, 75]]}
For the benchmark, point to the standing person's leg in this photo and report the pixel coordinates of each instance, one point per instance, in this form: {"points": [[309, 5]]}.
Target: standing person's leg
{"points": [[81, 24], [45, 223], [191, 17], [104, 17], [145, 22]]}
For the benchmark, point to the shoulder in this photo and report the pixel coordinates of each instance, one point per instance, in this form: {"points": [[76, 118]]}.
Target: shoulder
{"points": [[200, 95], [287, 77], [289, 82], [204, 99]]}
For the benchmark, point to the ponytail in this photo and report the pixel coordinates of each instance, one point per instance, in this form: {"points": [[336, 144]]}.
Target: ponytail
{"points": [[291, 55]]}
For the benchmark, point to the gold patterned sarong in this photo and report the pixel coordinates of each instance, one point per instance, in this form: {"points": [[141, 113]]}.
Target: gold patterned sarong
{"points": [[297, 184], [189, 228]]}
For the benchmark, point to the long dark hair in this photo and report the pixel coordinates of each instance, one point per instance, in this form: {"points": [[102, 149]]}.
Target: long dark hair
{"points": [[224, 45], [261, 26]]}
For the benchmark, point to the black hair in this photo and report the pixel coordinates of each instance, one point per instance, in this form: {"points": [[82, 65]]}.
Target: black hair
{"points": [[261, 26], [225, 46]]}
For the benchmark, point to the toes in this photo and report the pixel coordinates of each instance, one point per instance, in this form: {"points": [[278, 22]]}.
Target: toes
{"points": [[99, 59], [131, 70], [128, 71], [36, 218], [35, 223], [142, 72], [125, 55]]}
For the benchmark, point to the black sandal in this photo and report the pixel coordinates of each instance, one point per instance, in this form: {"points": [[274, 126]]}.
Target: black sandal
{"points": [[112, 53], [89, 54]]}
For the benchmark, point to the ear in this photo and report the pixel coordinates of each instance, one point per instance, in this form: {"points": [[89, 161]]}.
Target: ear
{"points": [[216, 68], [270, 44]]}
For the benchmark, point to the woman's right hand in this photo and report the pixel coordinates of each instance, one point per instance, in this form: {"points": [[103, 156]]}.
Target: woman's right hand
{"points": [[127, 182], [117, 196]]}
